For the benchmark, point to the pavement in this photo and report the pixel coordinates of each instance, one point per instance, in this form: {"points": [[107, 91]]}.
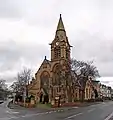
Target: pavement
{"points": [[42, 107], [102, 111]]}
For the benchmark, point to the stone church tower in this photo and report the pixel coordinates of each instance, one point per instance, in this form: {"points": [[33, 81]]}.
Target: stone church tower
{"points": [[52, 78], [60, 47], [60, 59]]}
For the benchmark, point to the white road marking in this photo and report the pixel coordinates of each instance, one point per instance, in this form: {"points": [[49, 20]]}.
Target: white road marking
{"points": [[30, 115], [15, 112], [42, 113], [92, 105], [91, 110], [62, 110], [11, 112], [73, 116], [50, 112], [58, 110], [103, 103], [27, 115], [107, 118], [46, 112], [74, 107], [8, 118]]}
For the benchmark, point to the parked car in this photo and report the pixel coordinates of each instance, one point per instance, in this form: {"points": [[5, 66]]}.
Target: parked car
{"points": [[1, 101]]}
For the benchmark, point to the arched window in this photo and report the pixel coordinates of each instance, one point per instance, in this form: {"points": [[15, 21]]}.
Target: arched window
{"points": [[86, 92], [56, 76], [57, 53], [89, 93], [44, 78], [67, 54]]}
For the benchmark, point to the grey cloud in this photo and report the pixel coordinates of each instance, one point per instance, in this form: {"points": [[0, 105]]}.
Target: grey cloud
{"points": [[106, 74], [94, 47], [105, 82], [10, 9], [35, 52], [105, 69], [34, 12], [9, 76], [11, 54]]}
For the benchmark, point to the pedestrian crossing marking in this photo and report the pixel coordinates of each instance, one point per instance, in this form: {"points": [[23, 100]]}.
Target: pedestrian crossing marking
{"points": [[11, 112]]}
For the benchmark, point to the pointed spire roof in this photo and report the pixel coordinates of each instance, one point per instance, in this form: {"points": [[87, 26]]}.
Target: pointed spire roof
{"points": [[60, 25]]}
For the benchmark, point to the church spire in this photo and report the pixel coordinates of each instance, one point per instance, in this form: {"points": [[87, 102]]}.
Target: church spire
{"points": [[60, 25], [60, 47]]}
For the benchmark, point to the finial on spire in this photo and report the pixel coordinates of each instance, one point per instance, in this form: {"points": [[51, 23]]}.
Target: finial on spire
{"points": [[45, 57], [60, 15]]}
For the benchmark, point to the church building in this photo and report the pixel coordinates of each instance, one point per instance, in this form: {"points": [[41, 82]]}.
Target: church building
{"points": [[54, 77]]}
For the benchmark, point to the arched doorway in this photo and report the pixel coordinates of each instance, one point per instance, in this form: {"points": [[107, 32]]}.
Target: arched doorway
{"points": [[44, 82]]}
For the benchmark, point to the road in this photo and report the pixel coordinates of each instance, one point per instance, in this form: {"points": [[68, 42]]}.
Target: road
{"points": [[103, 111]]}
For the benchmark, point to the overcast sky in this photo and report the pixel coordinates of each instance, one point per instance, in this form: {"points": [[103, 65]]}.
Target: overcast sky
{"points": [[28, 26]]}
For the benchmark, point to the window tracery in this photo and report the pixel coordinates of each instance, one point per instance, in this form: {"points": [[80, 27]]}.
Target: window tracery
{"points": [[56, 76], [67, 53], [57, 52], [44, 80]]}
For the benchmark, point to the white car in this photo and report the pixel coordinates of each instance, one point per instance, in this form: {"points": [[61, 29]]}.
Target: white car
{"points": [[1, 101]]}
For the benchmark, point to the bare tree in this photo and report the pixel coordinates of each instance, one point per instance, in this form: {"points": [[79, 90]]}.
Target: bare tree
{"points": [[3, 84], [84, 70], [75, 73], [3, 88], [21, 81], [23, 78], [15, 87]]}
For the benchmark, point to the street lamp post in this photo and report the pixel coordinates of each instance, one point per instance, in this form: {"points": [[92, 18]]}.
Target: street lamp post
{"points": [[14, 94], [24, 95], [24, 88]]}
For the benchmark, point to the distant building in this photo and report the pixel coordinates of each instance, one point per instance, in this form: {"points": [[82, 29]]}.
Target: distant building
{"points": [[105, 91], [109, 89]]}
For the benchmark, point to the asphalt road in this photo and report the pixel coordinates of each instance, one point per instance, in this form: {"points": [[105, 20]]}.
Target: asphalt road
{"points": [[103, 111]]}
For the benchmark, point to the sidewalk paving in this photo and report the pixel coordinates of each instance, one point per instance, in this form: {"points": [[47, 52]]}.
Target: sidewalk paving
{"points": [[43, 108], [15, 106]]}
